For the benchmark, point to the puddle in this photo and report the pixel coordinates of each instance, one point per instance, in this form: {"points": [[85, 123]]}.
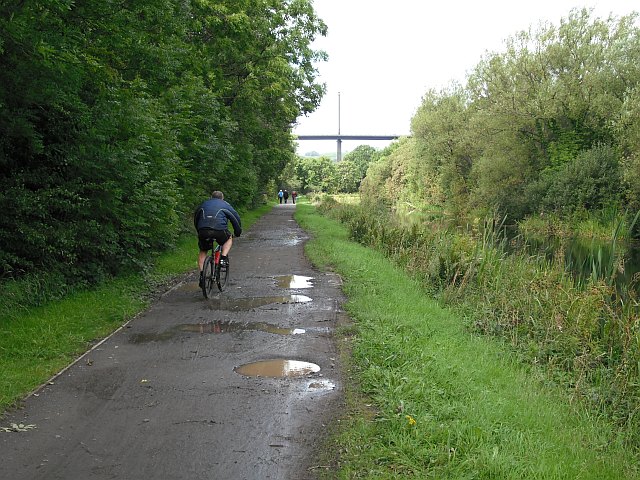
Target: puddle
{"points": [[290, 242], [294, 281], [320, 385], [244, 304], [277, 368], [226, 303], [286, 241], [216, 328], [227, 327]]}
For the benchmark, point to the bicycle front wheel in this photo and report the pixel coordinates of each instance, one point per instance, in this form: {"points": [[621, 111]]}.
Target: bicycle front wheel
{"points": [[208, 277], [222, 275]]}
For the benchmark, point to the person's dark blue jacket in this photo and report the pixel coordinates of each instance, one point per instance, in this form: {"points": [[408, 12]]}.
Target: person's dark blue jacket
{"points": [[214, 213]]}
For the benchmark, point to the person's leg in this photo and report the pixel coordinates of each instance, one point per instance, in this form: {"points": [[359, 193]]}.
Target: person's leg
{"points": [[201, 257], [225, 240], [205, 243], [226, 246]]}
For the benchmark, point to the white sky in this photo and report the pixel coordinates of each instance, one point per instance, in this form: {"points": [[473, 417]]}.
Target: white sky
{"points": [[385, 55]]}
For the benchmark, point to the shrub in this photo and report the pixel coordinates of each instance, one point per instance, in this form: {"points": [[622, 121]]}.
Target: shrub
{"points": [[590, 182]]}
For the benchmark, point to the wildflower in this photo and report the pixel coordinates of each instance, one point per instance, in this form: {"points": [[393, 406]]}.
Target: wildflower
{"points": [[410, 420]]}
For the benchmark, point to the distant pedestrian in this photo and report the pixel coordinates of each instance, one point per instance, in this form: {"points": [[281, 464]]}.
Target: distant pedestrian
{"points": [[280, 196], [294, 194], [286, 196]]}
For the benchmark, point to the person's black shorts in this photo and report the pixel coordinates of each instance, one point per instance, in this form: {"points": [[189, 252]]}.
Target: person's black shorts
{"points": [[206, 236]]}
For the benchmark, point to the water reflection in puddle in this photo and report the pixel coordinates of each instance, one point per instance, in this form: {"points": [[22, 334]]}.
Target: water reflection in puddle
{"points": [[320, 385], [291, 241], [277, 368], [226, 303], [227, 327], [218, 327], [294, 281]]}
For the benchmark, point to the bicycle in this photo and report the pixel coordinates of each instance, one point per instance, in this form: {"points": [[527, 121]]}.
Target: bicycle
{"points": [[213, 272]]}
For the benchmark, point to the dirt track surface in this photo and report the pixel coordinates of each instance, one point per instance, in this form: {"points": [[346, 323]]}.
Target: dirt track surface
{"points": [[162, 398]]}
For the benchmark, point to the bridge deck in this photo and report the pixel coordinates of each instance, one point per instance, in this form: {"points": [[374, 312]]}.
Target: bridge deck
{"points": [[347, 137]]}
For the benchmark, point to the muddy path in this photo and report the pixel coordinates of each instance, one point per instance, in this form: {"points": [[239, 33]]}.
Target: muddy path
{"points": [[241, 386]]}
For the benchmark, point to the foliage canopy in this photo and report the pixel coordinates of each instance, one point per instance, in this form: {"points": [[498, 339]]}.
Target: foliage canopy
{"points": [[549, 124], [117, 118]]}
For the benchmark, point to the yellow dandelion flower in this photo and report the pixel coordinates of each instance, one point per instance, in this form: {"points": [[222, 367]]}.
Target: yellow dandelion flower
{"points": [[410, 420]]}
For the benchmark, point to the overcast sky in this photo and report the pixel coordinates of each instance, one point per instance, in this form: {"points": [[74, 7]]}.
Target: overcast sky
{"points": [[385, 55]]}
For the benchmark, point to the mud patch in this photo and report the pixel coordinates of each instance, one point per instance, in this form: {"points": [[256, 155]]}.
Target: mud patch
{"points": [[189, 287]]}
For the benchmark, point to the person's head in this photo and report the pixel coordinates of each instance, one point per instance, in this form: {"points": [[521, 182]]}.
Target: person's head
{"points": [[217, 194]]}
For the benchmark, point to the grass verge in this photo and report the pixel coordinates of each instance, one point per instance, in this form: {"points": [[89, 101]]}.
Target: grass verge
{"points": [[36, 343], [447, 404]]}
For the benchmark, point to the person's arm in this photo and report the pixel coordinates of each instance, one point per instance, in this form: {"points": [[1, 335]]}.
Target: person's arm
{"points": [[195, 217], [235, 221]]}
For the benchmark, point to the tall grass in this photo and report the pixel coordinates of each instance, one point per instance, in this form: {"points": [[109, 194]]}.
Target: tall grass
{"points": [[585, 337], [585, 224], [432, 400]]}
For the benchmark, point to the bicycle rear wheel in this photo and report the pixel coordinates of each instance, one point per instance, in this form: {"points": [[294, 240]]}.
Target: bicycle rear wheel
{"points": [[209, 277], [222, 275]]}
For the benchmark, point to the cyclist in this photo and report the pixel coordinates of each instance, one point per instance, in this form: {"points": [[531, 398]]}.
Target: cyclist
{"points": [[211, 221]]}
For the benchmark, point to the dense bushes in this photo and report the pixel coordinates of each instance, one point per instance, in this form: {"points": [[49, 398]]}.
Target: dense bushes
{"points": [[590, 181], [117, 119], [550, 124]]}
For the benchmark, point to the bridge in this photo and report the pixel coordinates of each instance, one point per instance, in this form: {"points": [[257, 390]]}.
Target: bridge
{"points": [[340, 138]]}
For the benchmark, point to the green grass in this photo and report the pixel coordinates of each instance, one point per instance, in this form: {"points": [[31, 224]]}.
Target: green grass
{"points": [[36, 343], [478, 412], [40, 341]]}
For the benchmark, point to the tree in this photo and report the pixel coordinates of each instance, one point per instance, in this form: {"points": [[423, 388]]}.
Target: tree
{"points": [[348, 177], [117, 119], [445, 146], [353, 168], [317, 175], [552, 95]]}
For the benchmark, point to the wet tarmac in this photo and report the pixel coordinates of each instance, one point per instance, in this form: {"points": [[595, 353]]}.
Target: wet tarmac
{"points": [[240, 386]]}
